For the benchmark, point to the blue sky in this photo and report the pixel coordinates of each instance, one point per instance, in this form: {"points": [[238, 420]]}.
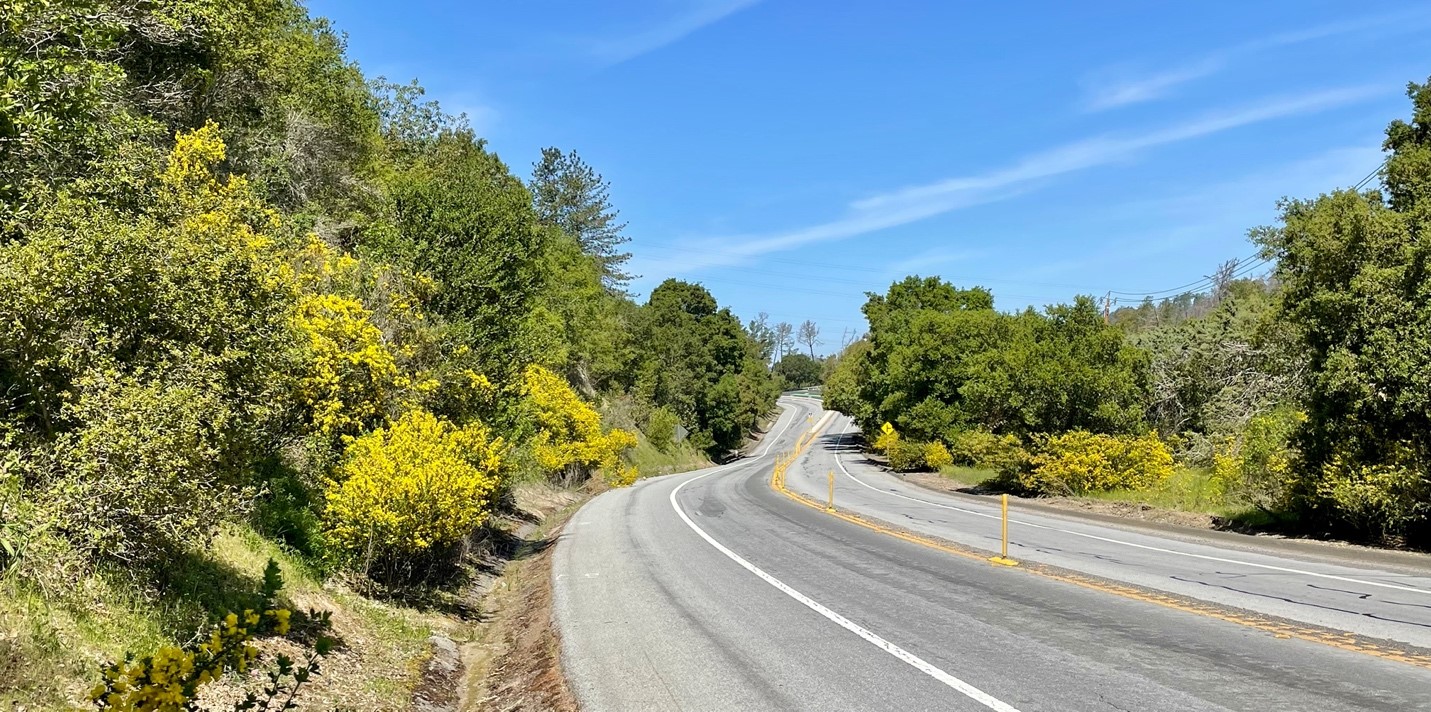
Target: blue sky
{"points": [[791, 155]]}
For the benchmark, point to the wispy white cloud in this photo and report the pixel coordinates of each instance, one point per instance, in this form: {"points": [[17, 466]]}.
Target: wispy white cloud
{"points": [[1113, 87], [704, 12], [930, 259], [908, 205]]}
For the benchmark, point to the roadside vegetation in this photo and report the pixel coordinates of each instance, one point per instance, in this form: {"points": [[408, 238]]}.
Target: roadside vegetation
{"points": [[1298, 400], [259, 306]]}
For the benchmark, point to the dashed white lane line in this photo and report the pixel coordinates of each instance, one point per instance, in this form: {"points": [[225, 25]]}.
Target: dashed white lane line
{"points": [[1145, 547], [903, 655]]}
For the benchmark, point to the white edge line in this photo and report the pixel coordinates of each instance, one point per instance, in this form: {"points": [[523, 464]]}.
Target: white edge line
{"points": [[1160, 550], [913, 660]]}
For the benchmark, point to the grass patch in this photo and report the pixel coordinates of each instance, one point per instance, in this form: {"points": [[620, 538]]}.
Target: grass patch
{"points": [[1189, 489], [650, 461], [53, 640], [971, 476]]}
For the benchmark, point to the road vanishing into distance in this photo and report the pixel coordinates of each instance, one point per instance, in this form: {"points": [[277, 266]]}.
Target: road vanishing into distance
{"points": [[714, 590]]}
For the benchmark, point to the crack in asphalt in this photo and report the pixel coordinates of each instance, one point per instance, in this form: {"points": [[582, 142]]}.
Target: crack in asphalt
{"points": [[1234, 589]]}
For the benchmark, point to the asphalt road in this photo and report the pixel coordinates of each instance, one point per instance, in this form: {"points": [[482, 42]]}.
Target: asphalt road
{"points": [[712, 591]]}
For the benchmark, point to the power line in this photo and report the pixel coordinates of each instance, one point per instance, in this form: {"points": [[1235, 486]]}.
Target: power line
{"points": [[1241, 271], [1375, 172], [1199, 285]]}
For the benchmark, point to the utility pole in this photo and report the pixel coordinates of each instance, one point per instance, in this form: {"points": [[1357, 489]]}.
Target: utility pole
{"points": [[1107, 302]]}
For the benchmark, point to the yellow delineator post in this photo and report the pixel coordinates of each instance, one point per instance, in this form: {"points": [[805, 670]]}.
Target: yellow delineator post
{"points": [[831, 506], [1003, 558]]}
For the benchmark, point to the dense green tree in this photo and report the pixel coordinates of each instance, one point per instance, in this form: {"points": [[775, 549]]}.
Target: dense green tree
{"points": [[1356, 288], [941, 360], [695, 359], [845, 383], [798, 371], [464, 220]]}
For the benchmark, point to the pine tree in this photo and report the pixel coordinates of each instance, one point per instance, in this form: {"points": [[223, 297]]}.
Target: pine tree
{"points": [[571, 196]]}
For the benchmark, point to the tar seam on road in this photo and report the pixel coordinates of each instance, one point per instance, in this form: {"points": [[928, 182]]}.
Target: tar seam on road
{"points": [[909, 658], [1277, 628]]}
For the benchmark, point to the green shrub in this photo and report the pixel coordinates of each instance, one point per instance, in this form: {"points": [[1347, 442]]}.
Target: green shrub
{"points": [[981, 448], [1384, 499], [905, 456], [142, 478], [661, 428], [936, 455], [1078, 462]]}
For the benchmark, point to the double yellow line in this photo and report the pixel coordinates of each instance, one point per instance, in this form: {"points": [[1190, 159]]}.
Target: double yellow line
{"points": [[1277, 628]]}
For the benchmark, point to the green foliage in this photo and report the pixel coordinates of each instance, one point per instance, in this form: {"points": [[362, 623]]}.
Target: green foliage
{"points": [[846, 381], [983, 449], [696, 359], [905, 456], [797, 371], [941, 359], [1357, 294], [465, 221], [1384, 500], [1213, 372], [1078, 462], [661, 428]]}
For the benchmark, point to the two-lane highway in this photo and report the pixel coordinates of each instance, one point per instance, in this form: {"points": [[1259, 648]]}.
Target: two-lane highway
{"points": [[712, 591]]}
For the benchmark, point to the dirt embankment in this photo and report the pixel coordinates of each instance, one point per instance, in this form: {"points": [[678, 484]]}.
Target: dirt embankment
{"points": [[508, 656], [514, 663]]}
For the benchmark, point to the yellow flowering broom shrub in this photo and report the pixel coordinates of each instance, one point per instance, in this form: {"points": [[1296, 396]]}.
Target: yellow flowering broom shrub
{"points": [[569, 436], [351, 373], [888, 438], [936, 455], [1078, 461], [417, 486]]}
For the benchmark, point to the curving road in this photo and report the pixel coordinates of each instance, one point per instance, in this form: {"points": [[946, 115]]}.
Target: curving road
{"points": [[713, 591]]}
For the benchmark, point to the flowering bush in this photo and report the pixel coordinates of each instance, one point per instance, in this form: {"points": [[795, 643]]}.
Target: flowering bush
{"points": [[1079, 461], [419, 485], [888, 436], [569, 435], [351, 372], [1381, 499], [936, 455]]}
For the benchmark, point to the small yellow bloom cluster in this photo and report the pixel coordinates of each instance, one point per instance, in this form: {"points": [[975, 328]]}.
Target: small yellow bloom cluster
{"points": [[170, 678]]}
